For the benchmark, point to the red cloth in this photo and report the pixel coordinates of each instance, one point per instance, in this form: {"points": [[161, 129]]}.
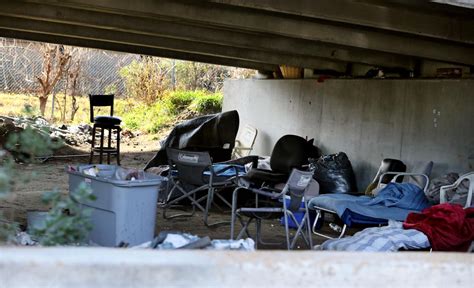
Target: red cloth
{"points": [[449, 227]]}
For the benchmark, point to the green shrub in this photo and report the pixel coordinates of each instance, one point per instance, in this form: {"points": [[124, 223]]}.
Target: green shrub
{"points": [[68, 222], [149, 119], [177, 101], [152, 118], [208, 104]]}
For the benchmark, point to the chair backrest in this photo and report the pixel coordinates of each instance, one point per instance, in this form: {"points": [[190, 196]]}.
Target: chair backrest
{"points": [[296, 186], [101, 101], [244, 142], [290, 152], [190, 165]]}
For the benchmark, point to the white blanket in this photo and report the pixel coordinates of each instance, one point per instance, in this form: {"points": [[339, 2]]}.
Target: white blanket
{"points": [[388, 238]]}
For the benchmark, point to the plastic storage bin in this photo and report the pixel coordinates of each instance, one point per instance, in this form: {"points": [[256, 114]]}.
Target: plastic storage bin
{"points": [[124, 211]]}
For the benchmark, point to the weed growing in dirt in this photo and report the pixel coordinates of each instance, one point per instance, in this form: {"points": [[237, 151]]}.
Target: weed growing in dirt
{"points": [[153, 118], [67, 222]]}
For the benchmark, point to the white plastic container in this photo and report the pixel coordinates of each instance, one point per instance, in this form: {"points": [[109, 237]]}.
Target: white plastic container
{"points": [[124, 211]]}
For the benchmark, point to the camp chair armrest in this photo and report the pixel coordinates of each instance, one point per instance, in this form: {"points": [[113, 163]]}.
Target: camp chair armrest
{"points": [[243, 160], [264, 193]]}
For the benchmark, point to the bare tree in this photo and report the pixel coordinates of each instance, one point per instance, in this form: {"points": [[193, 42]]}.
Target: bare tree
{"points": [[55, 62], [73, 82]]}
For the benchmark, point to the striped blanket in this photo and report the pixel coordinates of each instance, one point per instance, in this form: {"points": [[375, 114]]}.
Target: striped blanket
{"points": [[388, 238]]}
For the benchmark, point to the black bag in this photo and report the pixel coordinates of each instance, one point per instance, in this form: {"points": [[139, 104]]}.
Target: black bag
{"points": [[334, 174]]}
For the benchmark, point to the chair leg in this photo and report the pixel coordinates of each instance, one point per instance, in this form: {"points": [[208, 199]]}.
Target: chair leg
{"points": [[109, 144], [301, 227], [179, 214], [299, 230], [233, 212], [210, 199], [318, 218], [92, 145], [223, 199], [315, 224], [101, 145], [191, 195], [308, 227], [118, 146], [287, 230], [245, 229]]}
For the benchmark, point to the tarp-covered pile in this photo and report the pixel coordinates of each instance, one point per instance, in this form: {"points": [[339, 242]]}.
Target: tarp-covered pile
{"points": [[213, 133]]}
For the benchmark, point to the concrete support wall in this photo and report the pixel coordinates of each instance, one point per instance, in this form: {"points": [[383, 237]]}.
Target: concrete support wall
{"points": [[105, 267], [412, 120]]}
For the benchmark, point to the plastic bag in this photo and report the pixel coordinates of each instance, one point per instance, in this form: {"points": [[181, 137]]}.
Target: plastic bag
{"points": [[129, 174], [334, 174]]}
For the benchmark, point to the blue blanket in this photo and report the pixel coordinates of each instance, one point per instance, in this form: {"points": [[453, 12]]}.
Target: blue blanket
{"points": [[401, 195], [394, 202], [226, 170]]}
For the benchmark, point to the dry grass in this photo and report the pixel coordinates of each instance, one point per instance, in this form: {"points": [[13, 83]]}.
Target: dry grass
{"points": [[152, 118]]}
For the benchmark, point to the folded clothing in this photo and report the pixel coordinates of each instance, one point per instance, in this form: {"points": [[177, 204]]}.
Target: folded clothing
{"points": [[380, 239], [449, 227]]}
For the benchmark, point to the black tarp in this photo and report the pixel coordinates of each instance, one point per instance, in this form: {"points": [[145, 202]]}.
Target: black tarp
{"points": [[213, 133]]}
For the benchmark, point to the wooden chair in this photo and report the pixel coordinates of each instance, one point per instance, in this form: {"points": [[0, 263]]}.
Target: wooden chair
{"points": [[102, 123]]}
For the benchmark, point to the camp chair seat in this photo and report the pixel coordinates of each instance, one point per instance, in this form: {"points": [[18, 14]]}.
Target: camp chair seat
{"points": [[262, 175]]}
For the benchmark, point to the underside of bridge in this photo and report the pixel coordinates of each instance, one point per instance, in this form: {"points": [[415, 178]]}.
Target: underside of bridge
{"points": [[256, 34]]}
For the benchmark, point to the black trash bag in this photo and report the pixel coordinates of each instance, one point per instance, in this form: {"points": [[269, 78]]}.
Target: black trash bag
{"points": [[334, 174]]}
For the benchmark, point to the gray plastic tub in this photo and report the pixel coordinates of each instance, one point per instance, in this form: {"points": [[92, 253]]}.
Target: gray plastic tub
{"points": [[124, 211]]}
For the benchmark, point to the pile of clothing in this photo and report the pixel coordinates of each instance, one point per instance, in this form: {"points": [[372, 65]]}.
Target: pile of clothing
{"points": [[443, 227]]}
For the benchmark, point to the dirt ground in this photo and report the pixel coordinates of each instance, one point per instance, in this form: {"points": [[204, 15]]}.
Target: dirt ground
{"points": [[51, 175]]}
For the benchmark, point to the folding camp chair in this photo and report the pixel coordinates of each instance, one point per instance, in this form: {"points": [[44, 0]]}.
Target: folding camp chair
{"points": [[361, 220], [194, 173], [276, 207], [245, 141]]}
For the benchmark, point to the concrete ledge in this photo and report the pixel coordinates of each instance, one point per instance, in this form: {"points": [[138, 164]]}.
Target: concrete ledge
{"points": [[99, 267]]}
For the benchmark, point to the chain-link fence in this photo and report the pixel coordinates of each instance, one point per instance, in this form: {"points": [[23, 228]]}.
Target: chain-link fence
{"points": [[21, 62]]}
